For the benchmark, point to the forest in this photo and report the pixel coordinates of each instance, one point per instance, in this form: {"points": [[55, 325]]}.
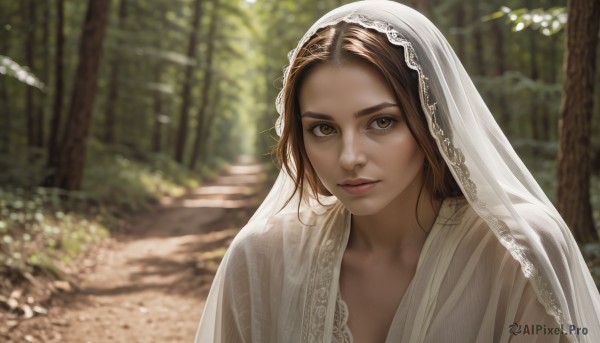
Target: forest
{"points": [[108, 107]]}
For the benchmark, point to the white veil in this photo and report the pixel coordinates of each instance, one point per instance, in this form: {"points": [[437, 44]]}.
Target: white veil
{"points": [[492, 177]]}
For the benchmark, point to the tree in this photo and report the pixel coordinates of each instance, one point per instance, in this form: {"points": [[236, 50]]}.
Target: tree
{"points": [[58, 88], [422, 6], [113, 88], [72, 153], [206, 84], [500, 68], [29, 54], [460, 24], [574, 163], [5, 101], [187, 84], [534, 76], [41, 113], [157, 111]]}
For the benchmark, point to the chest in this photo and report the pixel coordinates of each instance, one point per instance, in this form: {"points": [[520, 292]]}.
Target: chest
{"points": [[372, 293]]}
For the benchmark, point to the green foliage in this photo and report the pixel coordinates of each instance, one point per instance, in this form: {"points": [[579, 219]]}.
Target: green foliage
{"points": [[548, 22], [42, 229], [37, 235], [129, 179]]}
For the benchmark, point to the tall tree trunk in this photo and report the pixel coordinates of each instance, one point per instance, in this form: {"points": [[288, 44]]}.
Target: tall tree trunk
{"points": [[423, 6], [500, 56], [113, 85], [29, 52], [71, 161], [574, 165], [207, 82], [209, 123], [58, 89], [41, 112], [157, 109], [460, 26], [170, 134], [5, 119], [5, 104], [478, 53], [534, 76], [182, 131], [549, 120]]}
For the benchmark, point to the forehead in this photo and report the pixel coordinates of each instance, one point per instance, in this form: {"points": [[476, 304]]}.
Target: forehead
{"points": [[341, 88]]}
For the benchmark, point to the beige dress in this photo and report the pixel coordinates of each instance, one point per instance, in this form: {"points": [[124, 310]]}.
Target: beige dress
{"points": [[281, 284]]}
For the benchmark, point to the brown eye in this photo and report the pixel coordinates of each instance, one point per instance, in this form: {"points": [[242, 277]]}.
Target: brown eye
{"points": [[322, 130], [382, 123]]}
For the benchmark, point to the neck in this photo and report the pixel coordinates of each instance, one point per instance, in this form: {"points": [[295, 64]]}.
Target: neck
{"points": [[398, 228]]}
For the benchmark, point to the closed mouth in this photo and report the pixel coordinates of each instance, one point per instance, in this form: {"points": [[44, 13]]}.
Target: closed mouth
{"points": [[360, 184]]}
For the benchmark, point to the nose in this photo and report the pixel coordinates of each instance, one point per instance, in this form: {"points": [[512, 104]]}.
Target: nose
{"points": [[352, 154]]}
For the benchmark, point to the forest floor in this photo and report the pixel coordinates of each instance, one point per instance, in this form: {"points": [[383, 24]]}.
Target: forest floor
{"points": [[149, 283]]}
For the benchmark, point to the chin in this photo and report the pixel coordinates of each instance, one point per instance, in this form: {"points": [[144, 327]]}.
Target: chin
{"points": [[362, 207]]}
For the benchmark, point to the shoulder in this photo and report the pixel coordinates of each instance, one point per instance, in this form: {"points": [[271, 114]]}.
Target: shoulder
{"points": [[539, 227], [275, 227], [533, 234], [289, 230], [523, 230], [522, 220]]}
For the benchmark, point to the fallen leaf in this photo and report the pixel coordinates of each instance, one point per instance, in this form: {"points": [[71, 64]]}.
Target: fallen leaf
{"points": [[16, 294], [12, 303], [27, 311], [64, 286], [40, 310]]}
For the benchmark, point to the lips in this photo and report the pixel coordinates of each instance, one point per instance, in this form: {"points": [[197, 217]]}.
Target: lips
{"points": [[359, 188], [357, 182]]}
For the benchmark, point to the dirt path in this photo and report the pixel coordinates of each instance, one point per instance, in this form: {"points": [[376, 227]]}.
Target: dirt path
{"points": [[150, 284]]}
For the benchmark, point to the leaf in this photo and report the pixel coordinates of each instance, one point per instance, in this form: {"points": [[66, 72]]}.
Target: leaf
{"points": [[548, 22], [492, 16]]}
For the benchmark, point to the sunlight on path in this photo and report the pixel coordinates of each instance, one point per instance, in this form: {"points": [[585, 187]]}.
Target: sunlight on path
{"points": [[150, 285], [238, 188]]}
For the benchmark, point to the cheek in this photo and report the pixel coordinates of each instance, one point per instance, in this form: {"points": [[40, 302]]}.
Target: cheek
{"points": [[315, 156], [408, 151], [320, 161]]}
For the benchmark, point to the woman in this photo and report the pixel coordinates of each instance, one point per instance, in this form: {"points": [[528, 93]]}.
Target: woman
{"points": [[401, 214]]}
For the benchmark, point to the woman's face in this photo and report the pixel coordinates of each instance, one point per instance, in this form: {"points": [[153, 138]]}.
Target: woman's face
{"points": [[353, 129]]}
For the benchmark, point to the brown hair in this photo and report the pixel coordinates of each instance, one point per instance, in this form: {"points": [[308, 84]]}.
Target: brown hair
{"points": [[347, 42]]}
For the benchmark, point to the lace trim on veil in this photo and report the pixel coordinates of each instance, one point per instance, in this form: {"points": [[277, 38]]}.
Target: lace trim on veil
{"points": [[341, 331], [453, 156]]}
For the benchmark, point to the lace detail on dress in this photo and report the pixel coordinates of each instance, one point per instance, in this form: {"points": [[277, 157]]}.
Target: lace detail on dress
{"points": [[341, 332], [320, 284]]}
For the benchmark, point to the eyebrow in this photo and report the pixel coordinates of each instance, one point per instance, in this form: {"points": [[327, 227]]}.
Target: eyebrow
{"points": [[361, 113]]}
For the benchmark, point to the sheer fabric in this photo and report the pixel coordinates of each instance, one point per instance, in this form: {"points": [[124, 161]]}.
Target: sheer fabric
{"points": [[341, 331], [502, 258], [467, 287]]}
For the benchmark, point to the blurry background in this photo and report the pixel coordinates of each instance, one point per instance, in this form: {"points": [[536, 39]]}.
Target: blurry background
{"points": [[107, 107]]}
